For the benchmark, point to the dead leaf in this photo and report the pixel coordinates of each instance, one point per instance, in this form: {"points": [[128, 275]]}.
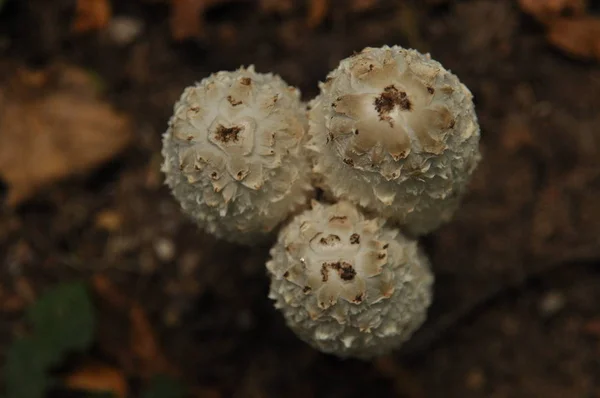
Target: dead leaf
{"points": [[592, 327], [547, 10], [12, 303], [91, 15], [475, 379], [276, 6], [144, 345], [187, 17], [317, 11], [52, 125], [579, 37], [95, 377], [516, 135], [108, 291], [109, 220], [405, 383], [143, 355], [25, 290], [363, 5]]}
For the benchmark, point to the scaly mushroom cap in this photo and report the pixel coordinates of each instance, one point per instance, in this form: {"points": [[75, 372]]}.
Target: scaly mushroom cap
{"points": [[395, 133], [233, 154], [347, 285]]}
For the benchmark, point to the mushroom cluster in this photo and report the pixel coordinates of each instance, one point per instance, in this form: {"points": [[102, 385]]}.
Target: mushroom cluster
{"points": [[381, 156]]}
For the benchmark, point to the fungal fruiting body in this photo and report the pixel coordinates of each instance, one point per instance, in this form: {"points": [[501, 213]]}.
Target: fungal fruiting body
{"points": [[397, 134], [233, 154], [346, 284]]}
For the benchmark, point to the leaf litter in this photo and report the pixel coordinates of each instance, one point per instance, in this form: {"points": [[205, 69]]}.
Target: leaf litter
{"points": [[53, 124]]}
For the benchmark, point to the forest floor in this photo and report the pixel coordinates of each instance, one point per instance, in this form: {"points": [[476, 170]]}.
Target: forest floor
{"points": [[85, 95]]}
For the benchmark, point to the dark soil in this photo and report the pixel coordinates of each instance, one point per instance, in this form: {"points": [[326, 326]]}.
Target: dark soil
{"points": [[517, 272]]}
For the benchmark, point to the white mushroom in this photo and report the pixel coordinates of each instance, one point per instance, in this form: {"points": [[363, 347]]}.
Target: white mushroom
{"points": [[233, 154], [347, 285], [397, 134]]}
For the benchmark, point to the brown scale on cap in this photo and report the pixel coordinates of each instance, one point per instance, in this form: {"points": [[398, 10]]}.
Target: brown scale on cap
{"points": [[227, 134], [233, 101], [330, 240], [345, 270], [389, 99]]}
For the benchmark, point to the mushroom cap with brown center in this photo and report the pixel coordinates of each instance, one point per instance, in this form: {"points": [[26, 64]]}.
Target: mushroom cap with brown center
{"points": [[233, 154], [346, 284], [396, 133]]}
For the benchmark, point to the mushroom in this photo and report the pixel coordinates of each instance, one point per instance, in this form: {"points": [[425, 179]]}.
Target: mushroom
{"points": [[233, 154], [346, 284], [396, 133]]}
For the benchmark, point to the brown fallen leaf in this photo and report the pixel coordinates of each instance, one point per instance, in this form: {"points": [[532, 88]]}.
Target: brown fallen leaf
{"points": [[52, 125], [95, 377], [91, 15], [187, 17], [579, 36], [276, 6], [363, 5], [109, 220], [145, 347], [592, 327], [516, 134], [405, 384], [317, 11], [143, 355], [547, 10], [104, 288]]}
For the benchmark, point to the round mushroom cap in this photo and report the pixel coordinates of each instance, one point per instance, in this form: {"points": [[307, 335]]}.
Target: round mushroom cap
{"points": [[346, 284], [396, 133], [233, 154]]}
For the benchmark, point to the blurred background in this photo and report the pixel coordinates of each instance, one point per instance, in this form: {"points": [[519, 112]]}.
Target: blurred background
{"points": [[106, 289]]}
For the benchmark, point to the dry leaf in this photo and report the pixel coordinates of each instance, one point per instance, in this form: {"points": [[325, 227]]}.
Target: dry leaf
{"points": [[276, 6], [187, 17], [363, 5], [91, 15], [317, 11], [516, 135], [547, 10], [52, 125], [592, 327], [144, 345], [108, 291], [109, 220], [98, 378], [579, 37], [405, 383], [143, 356]]}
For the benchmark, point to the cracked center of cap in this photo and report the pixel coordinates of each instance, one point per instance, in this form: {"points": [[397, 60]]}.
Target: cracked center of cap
{"points": [[379, 119], [227, 135]]}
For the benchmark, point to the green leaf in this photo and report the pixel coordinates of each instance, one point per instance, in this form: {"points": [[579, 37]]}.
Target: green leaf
{"points": [[63, 318], [164, 387], [63, 321], [25, 370]]}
